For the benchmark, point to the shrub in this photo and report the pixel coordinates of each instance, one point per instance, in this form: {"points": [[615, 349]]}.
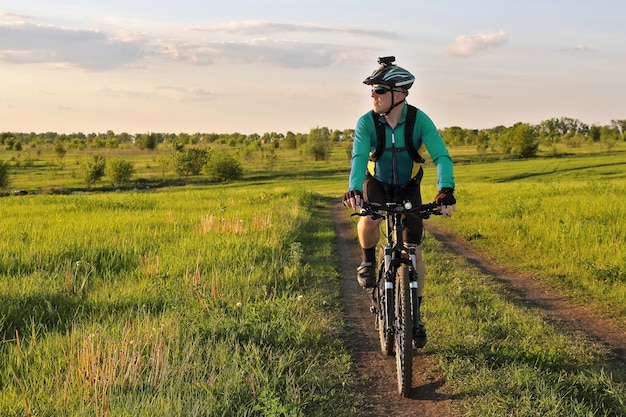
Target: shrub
{"points": [[318, 144], [119, 172], [189, 161], [5, 178], [59, 150], [94, 169], [222, 166], [525, 142], [148, 141]]}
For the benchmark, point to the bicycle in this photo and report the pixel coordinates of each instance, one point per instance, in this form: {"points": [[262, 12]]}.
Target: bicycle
{"points": [[394, 299]]}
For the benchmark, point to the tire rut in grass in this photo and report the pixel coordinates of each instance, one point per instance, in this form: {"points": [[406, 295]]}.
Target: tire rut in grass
{"points": [[532, 293]]}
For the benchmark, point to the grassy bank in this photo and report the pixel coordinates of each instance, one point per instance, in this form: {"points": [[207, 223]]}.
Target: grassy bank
{"points": [[180, 302], [560, 219], [505, 359]]}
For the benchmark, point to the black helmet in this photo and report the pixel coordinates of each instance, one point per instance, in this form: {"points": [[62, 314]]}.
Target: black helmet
{"points": [[390, 74]]}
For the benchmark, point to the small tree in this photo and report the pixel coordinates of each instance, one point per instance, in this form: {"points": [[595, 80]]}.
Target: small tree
{"points": [[164, 164], [148, 141], [318, 144], [94, 169], [524, 140], [347, 147], [270, 160], [609, 137], [59, 150], [119, 172], [482, 143], [5, 178], [222, 166], [290, 141], [189, 161]]}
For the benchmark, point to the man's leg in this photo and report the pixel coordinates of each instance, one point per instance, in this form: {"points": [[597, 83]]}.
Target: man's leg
{"points": [[420, 270], [369, 233], [419, 338]]}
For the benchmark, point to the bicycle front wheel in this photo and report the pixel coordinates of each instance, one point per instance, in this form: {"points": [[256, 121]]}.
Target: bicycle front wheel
{"points": [[404, 332], [385, 334]]}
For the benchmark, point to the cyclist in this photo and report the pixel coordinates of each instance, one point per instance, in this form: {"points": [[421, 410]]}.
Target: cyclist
{"points": [[391, 171]]}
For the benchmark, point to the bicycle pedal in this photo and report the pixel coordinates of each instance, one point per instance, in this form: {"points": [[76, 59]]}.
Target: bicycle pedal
{"points": [[373, 307]]}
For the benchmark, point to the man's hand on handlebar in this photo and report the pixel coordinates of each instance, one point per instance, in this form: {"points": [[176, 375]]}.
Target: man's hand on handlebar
{"points": [[446, 201], [354, 199], [446, 211]]}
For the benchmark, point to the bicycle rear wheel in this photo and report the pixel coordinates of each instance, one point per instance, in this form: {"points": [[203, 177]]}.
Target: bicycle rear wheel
{"points": [[404, 332]]}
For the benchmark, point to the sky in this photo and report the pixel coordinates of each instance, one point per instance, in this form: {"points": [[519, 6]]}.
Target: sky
{"points": [[292, 65]]}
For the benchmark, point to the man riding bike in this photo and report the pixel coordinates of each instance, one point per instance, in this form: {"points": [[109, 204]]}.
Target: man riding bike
{"points": [[386, 167]]}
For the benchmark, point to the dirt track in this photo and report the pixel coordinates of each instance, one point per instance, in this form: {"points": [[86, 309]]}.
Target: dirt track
{"points": [[428, 396], [377, 373]]}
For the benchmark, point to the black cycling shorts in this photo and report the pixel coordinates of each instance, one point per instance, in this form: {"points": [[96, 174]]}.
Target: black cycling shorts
{"points": [[378, 192]]}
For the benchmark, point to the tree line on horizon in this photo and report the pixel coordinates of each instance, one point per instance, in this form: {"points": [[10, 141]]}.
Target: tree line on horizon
{"points": [[521, 139], [193, 154], [551, 128]]}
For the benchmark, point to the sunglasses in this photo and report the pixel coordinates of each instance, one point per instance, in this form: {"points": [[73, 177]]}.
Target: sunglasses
{"points": [[381, 90]]}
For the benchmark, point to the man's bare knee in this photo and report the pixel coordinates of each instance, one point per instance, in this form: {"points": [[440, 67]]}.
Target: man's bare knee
{"points": [[368, 232], [367, 223]]}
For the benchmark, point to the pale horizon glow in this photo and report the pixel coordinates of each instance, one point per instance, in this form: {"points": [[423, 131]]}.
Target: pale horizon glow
{"points": [[239, 66]]}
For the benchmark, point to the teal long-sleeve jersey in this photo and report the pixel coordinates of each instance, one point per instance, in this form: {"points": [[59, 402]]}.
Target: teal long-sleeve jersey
{"points": [[424, 133]]}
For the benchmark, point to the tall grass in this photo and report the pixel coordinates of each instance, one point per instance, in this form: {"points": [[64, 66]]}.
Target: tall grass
{"points": [[179, 302], [561, 219], [505, 359]]}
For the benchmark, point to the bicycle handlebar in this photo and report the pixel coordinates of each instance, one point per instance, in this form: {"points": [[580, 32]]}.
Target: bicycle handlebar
{"points": [[378, 211]]}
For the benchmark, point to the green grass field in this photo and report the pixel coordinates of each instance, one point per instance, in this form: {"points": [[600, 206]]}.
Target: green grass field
{"points": [[223, 299], [559, 218], [185, 301]]}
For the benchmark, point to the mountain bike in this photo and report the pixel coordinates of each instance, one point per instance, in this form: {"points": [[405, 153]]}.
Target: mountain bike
{"points": [[394, 299]]}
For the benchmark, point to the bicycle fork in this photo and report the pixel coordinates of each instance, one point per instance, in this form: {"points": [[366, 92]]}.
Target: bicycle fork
{"points": [[389, 286], [415, 308], [387, 293]]}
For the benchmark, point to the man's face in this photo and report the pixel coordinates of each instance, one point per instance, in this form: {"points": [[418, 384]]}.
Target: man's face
{"points": [[381, 97]]}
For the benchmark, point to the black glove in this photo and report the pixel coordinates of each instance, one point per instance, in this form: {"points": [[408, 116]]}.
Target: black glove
{"points": [[445, 197], [352, 194]]}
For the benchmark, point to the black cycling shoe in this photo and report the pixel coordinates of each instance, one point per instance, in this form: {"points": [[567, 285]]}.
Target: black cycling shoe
{"points": [[366, 275], [419, 338]]}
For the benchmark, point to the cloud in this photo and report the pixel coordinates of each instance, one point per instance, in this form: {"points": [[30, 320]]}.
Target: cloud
{"points": [[286, 45], [289, 54], [579, 49], [282, 53], [158, 93], [187, 94], [260, 29], [28, 43], [13, 17], [24, 43], [468, 45]]}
